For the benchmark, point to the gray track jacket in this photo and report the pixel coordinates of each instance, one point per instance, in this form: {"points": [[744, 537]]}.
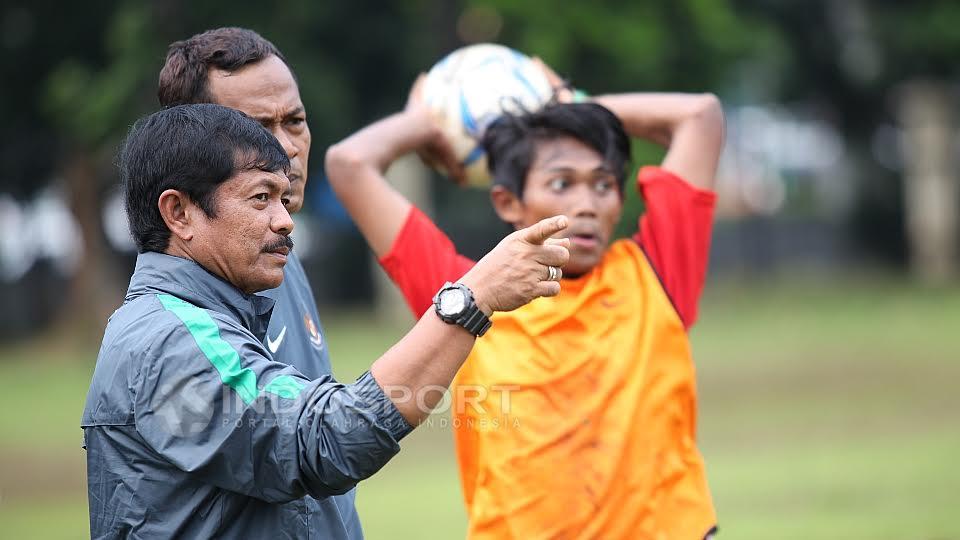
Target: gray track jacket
{"points": [[295, 337], [192, 429]]}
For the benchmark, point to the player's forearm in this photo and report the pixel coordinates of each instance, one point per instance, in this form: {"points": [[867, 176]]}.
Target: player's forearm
{"points": [[356, 168], [658, 117], [689, 125], [381, 143]]}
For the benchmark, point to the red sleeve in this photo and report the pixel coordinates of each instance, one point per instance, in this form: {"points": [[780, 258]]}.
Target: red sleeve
{"points": [[675, 234], [421, 260]]}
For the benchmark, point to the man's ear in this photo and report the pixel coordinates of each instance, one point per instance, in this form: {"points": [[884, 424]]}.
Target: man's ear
{"points": [[178, 212], [507, 205]]}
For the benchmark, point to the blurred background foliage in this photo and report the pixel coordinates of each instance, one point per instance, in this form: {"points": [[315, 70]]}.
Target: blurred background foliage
{"points": [[78, 75]]}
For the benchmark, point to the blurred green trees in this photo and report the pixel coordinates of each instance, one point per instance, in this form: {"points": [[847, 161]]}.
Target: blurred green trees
{"points": [[77, 74]]}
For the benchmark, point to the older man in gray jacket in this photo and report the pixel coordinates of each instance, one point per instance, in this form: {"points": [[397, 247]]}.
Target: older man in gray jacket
{"points": [[191, 428]]}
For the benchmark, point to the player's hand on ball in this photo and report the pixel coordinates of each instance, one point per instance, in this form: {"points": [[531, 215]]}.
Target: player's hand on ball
{"points": [[436, 152], [562, 89], [517, 270]]}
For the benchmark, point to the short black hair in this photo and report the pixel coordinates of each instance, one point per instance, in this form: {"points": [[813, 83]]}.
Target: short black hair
{"points": [[192, 149], [510, 141], [183, 78]]}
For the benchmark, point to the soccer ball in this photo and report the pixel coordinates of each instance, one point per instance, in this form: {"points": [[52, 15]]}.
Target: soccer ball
{"points": [[469, 88]]}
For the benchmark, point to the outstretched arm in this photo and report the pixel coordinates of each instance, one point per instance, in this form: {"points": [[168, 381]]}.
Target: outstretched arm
{"points": [[512, 274], [265, 430]]}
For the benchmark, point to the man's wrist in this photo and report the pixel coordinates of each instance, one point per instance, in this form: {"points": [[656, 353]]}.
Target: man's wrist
{"points": [[479, 295], [455, 304]]}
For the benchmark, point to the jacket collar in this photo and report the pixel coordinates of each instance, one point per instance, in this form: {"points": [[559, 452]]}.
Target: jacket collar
{"points": [[184, 278]]}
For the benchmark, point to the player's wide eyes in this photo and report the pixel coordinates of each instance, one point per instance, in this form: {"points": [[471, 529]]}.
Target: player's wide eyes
{"points": [[262, 197], [603, 186], [558, 184]]}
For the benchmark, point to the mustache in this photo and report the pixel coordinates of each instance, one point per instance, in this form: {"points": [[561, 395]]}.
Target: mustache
{"points": [[282, 242]]}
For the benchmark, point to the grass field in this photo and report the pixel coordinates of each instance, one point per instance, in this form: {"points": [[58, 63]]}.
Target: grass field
{"points": [[826, 411]]}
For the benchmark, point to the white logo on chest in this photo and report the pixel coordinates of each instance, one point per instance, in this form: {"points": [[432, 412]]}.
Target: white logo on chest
{"points": [[274, 344]]}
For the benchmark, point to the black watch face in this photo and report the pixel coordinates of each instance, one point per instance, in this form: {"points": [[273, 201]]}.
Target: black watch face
{"points": [[452, 302]]}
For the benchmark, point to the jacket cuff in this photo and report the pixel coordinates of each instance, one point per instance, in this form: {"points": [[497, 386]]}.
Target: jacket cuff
{"points": [[388, 417]]}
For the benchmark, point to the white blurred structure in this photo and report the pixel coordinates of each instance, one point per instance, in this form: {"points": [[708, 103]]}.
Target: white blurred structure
{"points": [[769, 144], [41, 229]]}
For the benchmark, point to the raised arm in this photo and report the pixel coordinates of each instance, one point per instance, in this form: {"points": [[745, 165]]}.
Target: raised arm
{"points": [[416, 255], [356, 167], [689, 125], [675, 230]]}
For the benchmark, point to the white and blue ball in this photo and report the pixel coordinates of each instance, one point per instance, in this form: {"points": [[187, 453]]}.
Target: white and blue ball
{"points": [[471, 87]]}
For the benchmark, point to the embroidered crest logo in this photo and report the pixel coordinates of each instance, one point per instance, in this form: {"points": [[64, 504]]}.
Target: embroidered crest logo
{"points": [[312, 329]]}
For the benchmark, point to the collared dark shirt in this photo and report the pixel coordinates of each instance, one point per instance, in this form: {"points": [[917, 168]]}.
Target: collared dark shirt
{"points": [[295, 337]]}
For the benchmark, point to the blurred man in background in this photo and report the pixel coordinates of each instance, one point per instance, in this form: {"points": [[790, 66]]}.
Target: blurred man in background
{"points": [[192, 429], [581, 418]]}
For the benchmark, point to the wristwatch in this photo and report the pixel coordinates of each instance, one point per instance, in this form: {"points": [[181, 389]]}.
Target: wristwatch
{"points": [[454, 304]]}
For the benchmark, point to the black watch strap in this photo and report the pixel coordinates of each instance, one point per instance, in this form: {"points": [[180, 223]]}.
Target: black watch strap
{"points": [[471, 318], [475, 321]]}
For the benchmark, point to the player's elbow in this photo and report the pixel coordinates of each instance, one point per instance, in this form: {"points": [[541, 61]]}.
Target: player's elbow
{"points": [[708, 102], [704, 121], [341, 162], [708, 116]]}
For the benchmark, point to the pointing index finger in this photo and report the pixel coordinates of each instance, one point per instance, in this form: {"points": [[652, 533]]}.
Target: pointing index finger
{"points": [[539, 232]]}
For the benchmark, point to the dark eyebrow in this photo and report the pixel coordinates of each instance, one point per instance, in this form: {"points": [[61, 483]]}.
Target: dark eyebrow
{"points": [[269, 119], [604, 169], [599, 168], [272, 184], [264, 182]]}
